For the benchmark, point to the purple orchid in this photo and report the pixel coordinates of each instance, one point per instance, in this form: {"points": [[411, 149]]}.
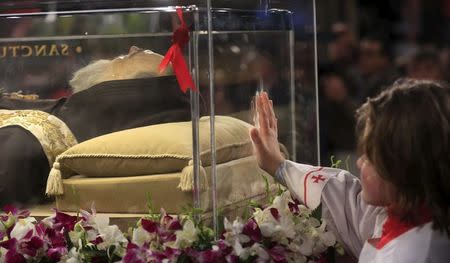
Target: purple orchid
{"points": [[136, 254], [9, 244], [293, 206], [275, 213], [64, 221], [169, 222], [278, 253], [172, 253], [55, 238], [56, 253], [149, 225], [251, 229], [13, 257], [277, 233], [17, 213], [32, 246]]}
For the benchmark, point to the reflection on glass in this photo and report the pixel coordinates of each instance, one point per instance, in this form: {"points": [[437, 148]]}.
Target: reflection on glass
{"points": [[97, 72]]}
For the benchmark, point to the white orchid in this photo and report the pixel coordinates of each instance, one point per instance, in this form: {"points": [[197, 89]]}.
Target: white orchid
{"points": [[258, 250], [296, 232], [141, 236], [72, 257], [48, 221], [304, 211], [296, 258], [96, 231], [306, 246], [234, 231], [3, 252], [275, 233], [95, 220], [280, 227], [254, 250], [239, 250], [75, 237], [23, 227], [111, 236], [187, 236], [327, 238]]}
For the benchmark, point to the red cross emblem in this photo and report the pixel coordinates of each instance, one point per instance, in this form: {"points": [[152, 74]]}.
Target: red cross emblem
{"points": [[318, 178]]}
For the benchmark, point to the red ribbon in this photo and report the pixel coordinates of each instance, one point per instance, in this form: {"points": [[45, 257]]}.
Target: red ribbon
{"points": [[180, 38]]}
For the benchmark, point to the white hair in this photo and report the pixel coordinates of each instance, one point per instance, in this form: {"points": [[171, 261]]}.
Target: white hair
{"points": [[116, 69], [90, 75]]}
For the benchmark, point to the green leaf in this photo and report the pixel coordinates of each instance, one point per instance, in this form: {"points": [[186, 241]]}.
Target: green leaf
{"points": [[152, 214], [42, 260], [192, 213], [248, 260], [347, 167], [331, 254], [338, 163], [183, 258], [267, 187], [247, 212], [335, 163], [280, 190], [220, 218], [317, 213], [76, 195], [253, 204]]}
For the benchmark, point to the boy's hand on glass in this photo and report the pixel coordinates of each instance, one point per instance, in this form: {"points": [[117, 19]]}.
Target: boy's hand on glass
{"points": [[265, 134]]}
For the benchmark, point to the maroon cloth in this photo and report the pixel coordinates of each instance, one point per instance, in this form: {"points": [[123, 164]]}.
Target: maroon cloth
{"points": [[124, 104], [23, 167], [49, 105]]}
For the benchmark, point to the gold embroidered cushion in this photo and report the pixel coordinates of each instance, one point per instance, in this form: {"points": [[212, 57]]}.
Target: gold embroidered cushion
{"points": [[52, 133], [155, 149]]}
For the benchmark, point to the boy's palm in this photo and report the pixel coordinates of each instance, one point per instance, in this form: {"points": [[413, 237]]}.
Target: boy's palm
{"points": [[265, 135]]}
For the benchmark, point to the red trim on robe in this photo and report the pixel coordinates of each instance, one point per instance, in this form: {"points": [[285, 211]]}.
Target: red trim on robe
{"points": [[394, 227], [305, 182]]}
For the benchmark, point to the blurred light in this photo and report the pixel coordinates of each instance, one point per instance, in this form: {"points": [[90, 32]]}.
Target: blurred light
{"points": [[50, 17], [235, 49]]}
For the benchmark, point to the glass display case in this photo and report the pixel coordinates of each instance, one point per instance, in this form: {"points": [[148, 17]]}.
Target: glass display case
{"points": [[88, 113]]}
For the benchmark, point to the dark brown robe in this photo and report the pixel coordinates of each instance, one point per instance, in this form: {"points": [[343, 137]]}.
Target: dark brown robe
{"points": [[104, 108]]}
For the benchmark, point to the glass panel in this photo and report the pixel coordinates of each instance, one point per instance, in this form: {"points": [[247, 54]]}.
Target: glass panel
{"points": [[255, 47], [41, 52], [269, 50], [47, 61]]}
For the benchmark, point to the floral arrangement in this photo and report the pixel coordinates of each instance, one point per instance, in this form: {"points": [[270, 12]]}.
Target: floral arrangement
{"points": [[285, 231]]}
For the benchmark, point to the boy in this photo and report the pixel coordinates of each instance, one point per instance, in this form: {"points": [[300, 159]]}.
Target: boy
{"points": [[400, 210]]}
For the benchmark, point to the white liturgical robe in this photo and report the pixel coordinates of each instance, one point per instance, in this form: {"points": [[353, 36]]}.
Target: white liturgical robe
{"points": [[364, 230]]}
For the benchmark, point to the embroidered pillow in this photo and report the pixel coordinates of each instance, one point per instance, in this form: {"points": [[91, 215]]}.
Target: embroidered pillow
{"points": [[154, 149], [53, 134]]}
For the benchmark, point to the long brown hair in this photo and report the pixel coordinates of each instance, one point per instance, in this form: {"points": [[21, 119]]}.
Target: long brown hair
{"points": [[405, 134]]}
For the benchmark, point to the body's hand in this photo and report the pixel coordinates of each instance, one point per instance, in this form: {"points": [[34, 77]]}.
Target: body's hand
{"points": [[265, 135]]}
